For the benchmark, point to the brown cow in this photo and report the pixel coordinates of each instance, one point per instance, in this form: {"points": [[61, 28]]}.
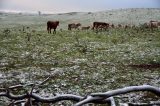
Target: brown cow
{"points": [[73, 25], [154, 24], [85, 28], [100, 25], [52, 25]]}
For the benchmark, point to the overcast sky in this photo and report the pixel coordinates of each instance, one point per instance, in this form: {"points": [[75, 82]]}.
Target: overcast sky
{"points": [[60, 6]]}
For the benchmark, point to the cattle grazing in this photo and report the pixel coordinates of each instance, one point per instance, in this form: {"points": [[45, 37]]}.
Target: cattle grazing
{"points": [[52, 25], [133, 26], [100, 25], [154, 24], [119, 26], [85, 28], [127, 26], [153, 21], [74, 26], [112, 25], [146, 25]]}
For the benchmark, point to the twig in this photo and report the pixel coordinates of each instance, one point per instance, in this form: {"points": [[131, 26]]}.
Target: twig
{"points": [[29, 100], [47, 79], [16, 87], [112, 101], [90, 99], [19, 86]]}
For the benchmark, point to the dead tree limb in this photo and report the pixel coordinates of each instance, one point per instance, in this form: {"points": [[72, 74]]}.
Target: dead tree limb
{"points": [[125, 90], [102, 96], [97, 98]]}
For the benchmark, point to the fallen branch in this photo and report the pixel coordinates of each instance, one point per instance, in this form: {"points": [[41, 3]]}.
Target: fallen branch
{"points": [[112, 93], [97, 98], [125, 90]]}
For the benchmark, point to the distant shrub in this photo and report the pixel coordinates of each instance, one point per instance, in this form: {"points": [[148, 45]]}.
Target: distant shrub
{"points": [[72, 13]]}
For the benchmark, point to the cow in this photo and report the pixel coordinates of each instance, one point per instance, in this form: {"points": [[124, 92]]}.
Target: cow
{"points": [[119, 26], [100, 25], [112, 25], [127, 26], [133, 26], [52, 25], [74, 26], [152, 21], [146, 25], [154, 24], [85, 28]]}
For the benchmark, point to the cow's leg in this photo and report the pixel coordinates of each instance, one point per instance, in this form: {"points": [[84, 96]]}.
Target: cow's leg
{"points": [[54, 31], [92, 28], [48, 30]]}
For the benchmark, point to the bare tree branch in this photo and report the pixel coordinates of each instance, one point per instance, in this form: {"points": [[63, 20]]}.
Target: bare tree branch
{"points": [[47, 79], [23, 86], [57, 98], [97, 98], [112, 101], [112, 93], [125, 90]]}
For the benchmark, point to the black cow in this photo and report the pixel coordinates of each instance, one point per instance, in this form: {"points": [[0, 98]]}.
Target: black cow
{"points": [[100, 25]]}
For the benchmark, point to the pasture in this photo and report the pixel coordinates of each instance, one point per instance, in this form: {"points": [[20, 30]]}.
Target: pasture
{"points": [[79, 62]]}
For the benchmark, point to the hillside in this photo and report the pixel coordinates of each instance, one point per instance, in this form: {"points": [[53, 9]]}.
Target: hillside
{"points": [[79, 62], [123, 16]]}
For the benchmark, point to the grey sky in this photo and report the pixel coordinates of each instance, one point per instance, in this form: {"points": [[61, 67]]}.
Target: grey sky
{"points": [[58, 6]]}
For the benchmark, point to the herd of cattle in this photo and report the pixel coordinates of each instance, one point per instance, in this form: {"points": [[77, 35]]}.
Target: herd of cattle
{"points": [[100, 26]]}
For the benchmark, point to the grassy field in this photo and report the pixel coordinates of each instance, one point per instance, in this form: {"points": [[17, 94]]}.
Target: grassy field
{"points": [[80, 62]]}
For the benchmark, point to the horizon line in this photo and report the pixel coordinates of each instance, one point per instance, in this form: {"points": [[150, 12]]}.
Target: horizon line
{"points": [[49, 12]]}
